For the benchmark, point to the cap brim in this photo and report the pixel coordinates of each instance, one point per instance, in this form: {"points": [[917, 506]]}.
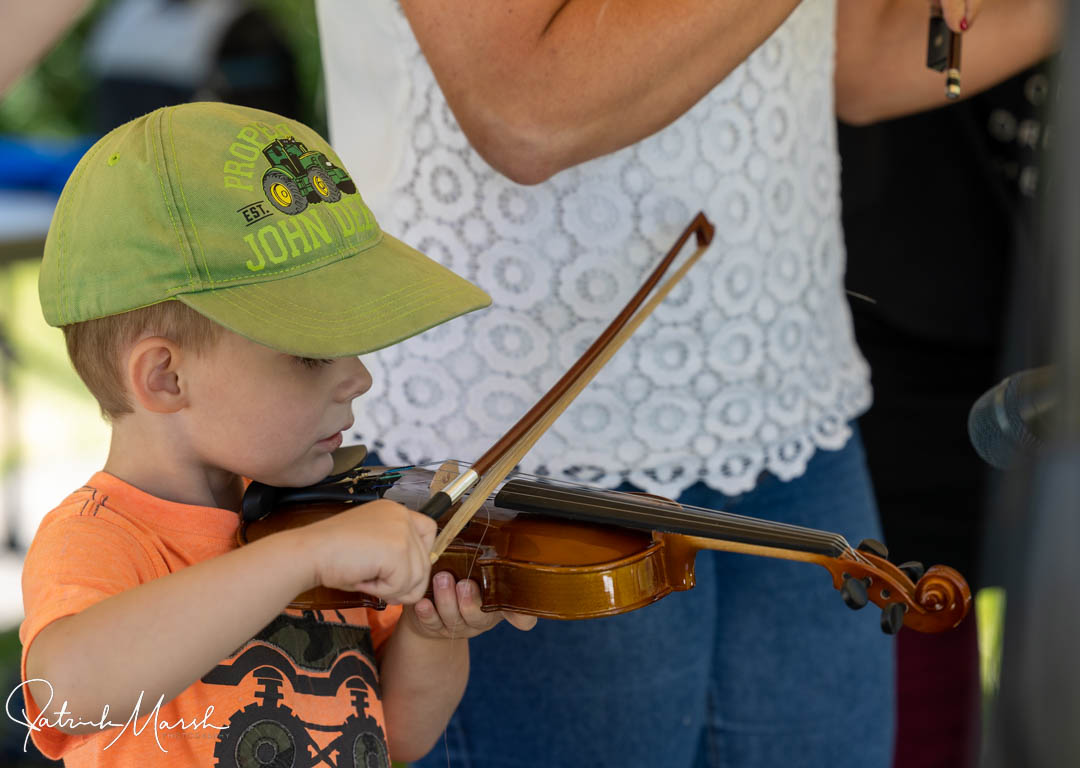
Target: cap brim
{"points": [[370, 300]]}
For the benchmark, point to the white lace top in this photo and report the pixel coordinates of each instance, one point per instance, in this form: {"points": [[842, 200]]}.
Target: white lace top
{"points": [[750, 365]]}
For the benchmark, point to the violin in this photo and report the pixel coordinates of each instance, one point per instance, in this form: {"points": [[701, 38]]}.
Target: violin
{"points": [[561, 550], [565, 551]]}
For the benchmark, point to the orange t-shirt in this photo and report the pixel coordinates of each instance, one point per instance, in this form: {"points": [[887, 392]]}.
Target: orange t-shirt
{"points": [[304, 691]]}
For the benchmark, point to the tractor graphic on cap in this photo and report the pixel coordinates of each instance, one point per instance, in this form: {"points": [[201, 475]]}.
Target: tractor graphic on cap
{"points": [[298, 176]]}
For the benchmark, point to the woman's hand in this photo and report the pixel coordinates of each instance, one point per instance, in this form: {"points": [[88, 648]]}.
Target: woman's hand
{"points": [[881, 70], [959, 14], [456, 613]]}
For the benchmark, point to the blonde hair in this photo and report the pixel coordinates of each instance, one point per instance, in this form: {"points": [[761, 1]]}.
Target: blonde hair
{"points": [[95, 346]]}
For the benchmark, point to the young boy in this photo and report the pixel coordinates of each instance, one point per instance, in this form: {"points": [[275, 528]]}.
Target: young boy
{"points": [[216, 274]]}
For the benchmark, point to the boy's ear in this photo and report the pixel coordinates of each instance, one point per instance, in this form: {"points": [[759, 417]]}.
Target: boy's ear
{"points": [[153, 374]]}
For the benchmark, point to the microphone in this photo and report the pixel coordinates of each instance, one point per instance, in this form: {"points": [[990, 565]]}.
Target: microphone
{"points": [[1013, 419]]}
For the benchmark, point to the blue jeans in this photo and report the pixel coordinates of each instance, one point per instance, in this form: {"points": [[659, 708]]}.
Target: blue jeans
{"points": [[760, 665]]}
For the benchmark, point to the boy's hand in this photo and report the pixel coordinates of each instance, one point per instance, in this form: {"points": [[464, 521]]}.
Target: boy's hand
{"points": [[456, 613], [380, 548]]}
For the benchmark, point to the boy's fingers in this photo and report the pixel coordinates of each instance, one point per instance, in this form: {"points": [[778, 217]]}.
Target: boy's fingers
{"points": [[404, 581], [446, 599], [471, 607], [428, 616], [521, 621]]}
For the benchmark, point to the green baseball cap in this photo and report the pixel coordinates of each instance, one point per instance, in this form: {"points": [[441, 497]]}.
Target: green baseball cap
{"points": [[250, 219]]}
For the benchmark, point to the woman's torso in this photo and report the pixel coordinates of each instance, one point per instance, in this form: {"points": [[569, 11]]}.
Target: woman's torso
{"points": [[750, 365]]}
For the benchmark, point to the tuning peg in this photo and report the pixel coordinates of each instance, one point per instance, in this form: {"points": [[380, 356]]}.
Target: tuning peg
{"points": [[913, 569], [874, 547], [854, 593], [892, 618]]}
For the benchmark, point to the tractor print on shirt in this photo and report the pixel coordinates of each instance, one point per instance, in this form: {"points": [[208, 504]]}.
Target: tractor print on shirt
{"points": [[298, 176], [310, 657]]}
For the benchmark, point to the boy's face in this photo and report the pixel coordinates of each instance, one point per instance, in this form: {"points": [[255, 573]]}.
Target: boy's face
{"points": [[267, 415]]}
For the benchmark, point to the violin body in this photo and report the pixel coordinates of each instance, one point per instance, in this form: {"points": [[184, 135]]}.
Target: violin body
{"points": [[562, 569], [531, 564], [553, 566]]}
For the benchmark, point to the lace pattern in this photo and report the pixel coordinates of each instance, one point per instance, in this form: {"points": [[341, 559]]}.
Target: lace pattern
{"points": [[750, 365]]}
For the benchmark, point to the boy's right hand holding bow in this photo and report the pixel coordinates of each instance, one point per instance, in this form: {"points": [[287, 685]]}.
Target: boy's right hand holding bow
{"points": [[380, 548]]}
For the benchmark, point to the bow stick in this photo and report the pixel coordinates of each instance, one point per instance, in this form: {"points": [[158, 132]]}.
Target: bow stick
{"points": [[502, 457]]}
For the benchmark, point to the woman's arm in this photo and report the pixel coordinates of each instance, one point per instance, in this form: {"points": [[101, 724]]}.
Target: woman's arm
{"points": [[542, 85], [29, 31], [881, 53]]}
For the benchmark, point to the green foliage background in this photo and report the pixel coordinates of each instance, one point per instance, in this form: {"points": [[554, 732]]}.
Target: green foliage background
{"points": [[53, 100]]}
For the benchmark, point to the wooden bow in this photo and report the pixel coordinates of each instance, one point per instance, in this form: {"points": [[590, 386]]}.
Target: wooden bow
{"points": [[504, 455]]}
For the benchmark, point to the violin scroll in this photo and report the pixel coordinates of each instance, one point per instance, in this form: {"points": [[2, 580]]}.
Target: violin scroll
{"points": [[938, 601], [943, 591]]}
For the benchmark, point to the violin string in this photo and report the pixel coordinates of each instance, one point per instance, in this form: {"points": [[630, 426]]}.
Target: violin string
{"points": [[483, 533], [781, 533], [798, 532], [647, 512], [687, 513], [642, 511], [641, 501], [755, 531]]}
